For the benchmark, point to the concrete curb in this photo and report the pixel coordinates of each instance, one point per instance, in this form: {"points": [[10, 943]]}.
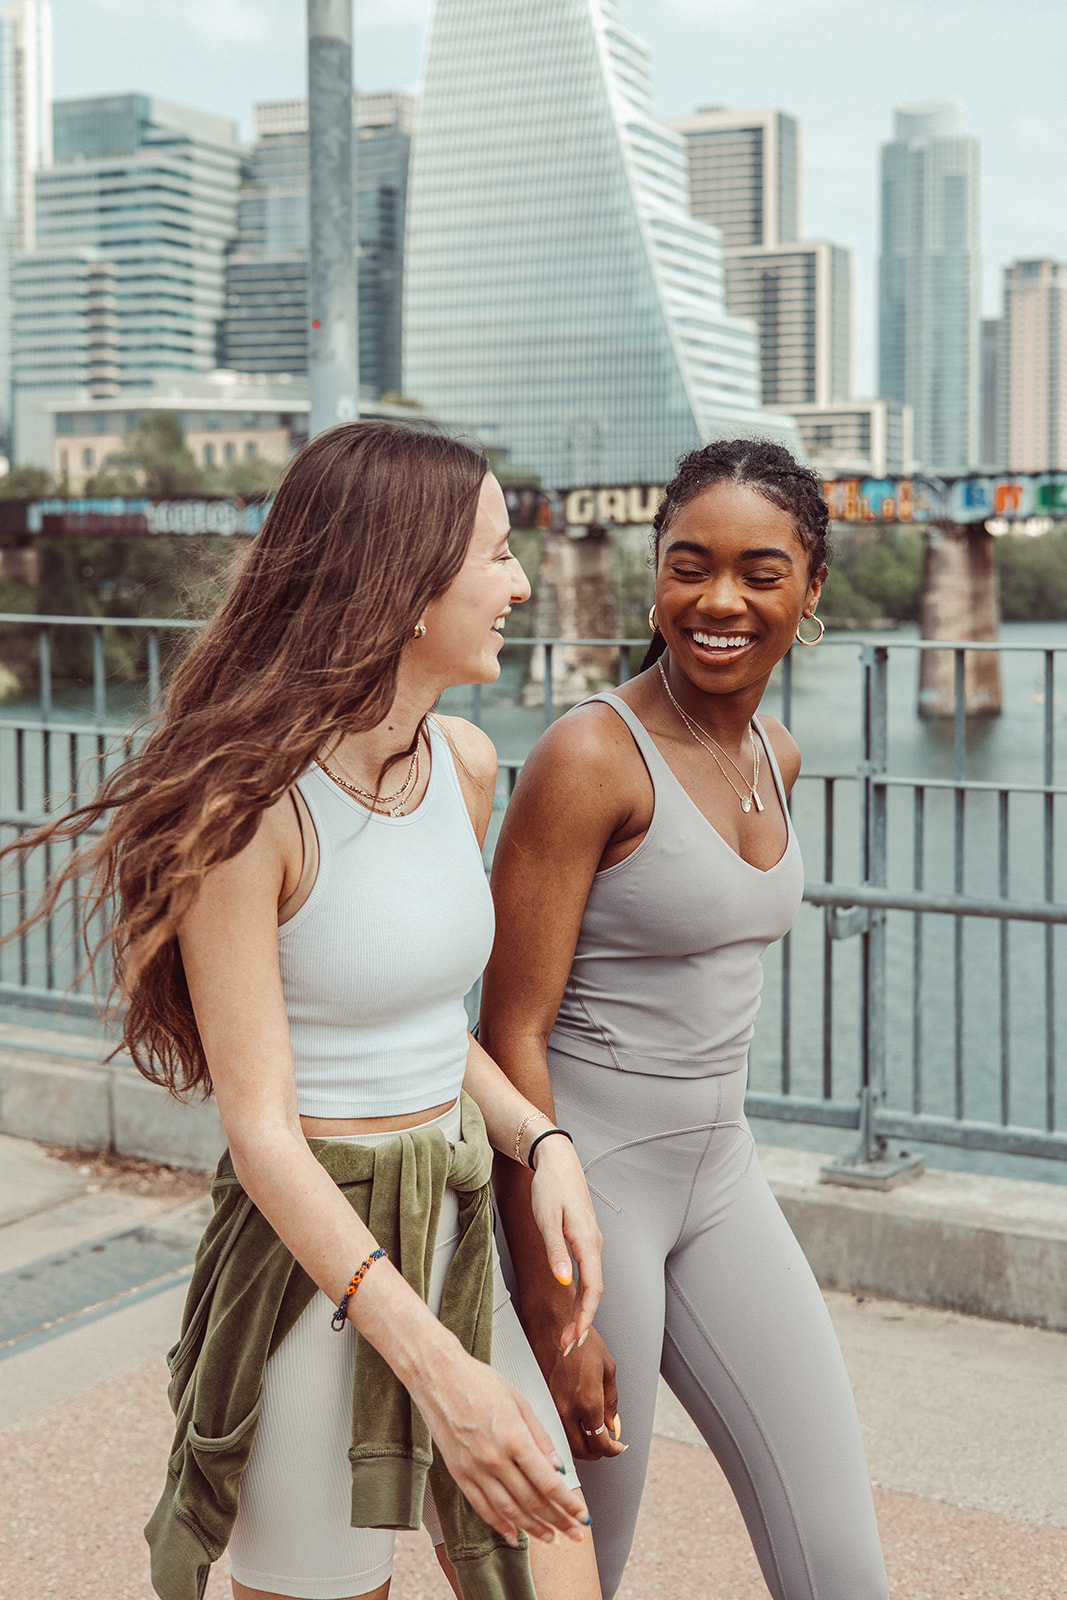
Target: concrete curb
{"points": [[990, 1247], [54, 1088]]}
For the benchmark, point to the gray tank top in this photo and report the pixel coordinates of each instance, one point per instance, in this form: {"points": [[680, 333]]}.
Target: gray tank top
{"points": [[667, 970]]}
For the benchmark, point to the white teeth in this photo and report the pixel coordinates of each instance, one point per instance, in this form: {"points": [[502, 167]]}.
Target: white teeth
{"points": [[713, 641]]}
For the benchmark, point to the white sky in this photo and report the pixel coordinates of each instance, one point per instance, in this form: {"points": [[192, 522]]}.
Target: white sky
{"points": [[838, 65]]}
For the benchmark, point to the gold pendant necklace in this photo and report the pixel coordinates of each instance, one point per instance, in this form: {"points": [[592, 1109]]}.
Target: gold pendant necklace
{"points": [[390, 804], [748, 797]]}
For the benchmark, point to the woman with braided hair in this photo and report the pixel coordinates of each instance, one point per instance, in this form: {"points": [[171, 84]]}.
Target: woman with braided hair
{"points": [[646, 861]]}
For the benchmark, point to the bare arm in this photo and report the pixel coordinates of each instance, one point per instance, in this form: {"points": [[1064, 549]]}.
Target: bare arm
{"points": [[493, 1444], [574, 799], [557, 1199]]}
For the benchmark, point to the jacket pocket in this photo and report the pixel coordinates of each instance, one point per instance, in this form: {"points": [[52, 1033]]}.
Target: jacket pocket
{"points": [[209, 1471]]}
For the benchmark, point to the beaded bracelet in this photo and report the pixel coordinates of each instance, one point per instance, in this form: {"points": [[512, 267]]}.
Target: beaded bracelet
{"points": [[546, 1135], [337, 1321]]}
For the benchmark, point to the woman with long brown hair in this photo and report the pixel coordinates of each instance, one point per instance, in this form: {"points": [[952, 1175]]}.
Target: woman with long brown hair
{"points": [[298, 906], [646, 861]]}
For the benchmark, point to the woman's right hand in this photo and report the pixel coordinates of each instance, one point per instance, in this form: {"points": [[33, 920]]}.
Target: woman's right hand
{"points": [[583, 1388], [495, 1447]]}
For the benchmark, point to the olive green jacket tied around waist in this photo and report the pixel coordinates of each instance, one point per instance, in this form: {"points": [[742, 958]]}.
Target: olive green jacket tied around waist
{"points": [[246, 1294]]}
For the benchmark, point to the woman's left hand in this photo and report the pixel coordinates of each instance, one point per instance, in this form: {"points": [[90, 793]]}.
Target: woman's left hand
{"points": [[567, 1222]]}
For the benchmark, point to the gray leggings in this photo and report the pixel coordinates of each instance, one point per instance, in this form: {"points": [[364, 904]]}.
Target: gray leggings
{"points": [[705, 1283]]}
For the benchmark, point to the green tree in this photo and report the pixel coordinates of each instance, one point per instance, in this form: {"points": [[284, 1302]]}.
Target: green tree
{"points": [[155, 462], [876, 572], [26, 483], [1032, 575], [248, 477]]}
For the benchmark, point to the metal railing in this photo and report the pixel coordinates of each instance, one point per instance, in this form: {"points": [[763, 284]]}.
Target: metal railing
{"points": [[923, 992]]}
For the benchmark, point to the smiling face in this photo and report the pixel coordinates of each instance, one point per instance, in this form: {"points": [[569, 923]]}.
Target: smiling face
{"points": [[732, 582], [464, 626]]}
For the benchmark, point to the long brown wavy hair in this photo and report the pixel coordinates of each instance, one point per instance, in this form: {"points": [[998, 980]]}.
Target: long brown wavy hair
{"points": [[371, 522]]}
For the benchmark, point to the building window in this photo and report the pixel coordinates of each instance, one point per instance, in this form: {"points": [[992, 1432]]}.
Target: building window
{"points": [[63, 462], [250, 449], [230, 450], [209, 455], [87, 458]]}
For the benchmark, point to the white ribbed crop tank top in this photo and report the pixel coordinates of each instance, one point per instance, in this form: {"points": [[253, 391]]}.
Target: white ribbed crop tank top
{"points": [[376, 962]]}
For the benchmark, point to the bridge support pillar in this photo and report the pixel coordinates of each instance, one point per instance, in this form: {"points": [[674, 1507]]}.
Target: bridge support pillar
{"points": [[959, 601], [577, 598]]}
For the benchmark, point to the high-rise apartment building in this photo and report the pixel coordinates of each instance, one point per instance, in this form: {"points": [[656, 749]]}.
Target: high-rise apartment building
{"points": [[265, 324], [744, 173], [929, 283], [560, 300], [745, 177], [867, 437], [25, 145], [992, 446], [800, 295], [1033, 385], [133, 220]]}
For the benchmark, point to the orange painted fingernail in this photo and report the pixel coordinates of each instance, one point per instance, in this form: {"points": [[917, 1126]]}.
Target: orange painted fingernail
{"points": [[616, 1428], [563, 1275]]}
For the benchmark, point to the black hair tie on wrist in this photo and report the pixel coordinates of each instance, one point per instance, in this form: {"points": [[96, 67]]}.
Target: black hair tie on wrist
{"points": [[546, 1135]]}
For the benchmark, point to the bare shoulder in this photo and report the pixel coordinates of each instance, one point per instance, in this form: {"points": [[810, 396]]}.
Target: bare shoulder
{"points": [[591, 745], [786, 750], [476, 767], [472, 746]]}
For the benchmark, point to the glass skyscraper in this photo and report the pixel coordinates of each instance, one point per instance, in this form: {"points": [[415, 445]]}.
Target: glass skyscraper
{"points": [[25, 145], [560, 301], [266, 320], [928, 287], [133, 218]]}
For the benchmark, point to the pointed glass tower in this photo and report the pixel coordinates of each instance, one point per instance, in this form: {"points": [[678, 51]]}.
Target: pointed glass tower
{"points": [[559, 299]]}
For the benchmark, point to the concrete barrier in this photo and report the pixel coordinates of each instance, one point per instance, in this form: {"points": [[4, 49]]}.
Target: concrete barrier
{"points": [[54, 1088], [991, 1247]]}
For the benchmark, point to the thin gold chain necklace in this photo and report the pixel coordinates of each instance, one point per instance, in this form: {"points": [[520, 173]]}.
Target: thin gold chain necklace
{"points": [[746, 798], [391, 804]]}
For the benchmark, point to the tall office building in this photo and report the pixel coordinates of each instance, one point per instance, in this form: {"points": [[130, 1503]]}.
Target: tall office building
{"points": [[25, 145], [265, 325], [1033, 384], [559, 299], [929, 283], [745, 177], [133, 219]]}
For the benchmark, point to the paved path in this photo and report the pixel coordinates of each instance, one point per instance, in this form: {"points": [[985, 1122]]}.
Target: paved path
{"points": [[965, 1420]]}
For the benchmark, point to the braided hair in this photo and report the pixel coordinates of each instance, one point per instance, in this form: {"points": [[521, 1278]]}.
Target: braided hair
{"points": [[766, 468]]}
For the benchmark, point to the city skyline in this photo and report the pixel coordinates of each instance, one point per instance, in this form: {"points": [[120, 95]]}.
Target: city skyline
{"points": [[839, 67]]}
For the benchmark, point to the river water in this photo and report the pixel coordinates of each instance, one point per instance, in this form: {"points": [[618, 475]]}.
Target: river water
{"points": [[827, 721]]}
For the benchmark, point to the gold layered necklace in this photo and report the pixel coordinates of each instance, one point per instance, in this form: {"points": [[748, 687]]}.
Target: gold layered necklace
{"points": [[747, 797], [388, 804]]}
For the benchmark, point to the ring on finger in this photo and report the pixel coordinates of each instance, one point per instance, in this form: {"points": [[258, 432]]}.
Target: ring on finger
{"points": [[594, 1433]]}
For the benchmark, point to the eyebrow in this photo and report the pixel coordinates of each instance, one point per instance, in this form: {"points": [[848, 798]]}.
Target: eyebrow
{"points": [[772, 551]]}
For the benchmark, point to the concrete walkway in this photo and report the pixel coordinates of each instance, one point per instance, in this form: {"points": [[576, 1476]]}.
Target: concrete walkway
{"points": [[965, 1418]]}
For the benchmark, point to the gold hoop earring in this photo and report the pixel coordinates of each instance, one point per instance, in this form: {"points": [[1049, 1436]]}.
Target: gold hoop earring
{"points": [[420, 630], [819, 623], [653, 624]]}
